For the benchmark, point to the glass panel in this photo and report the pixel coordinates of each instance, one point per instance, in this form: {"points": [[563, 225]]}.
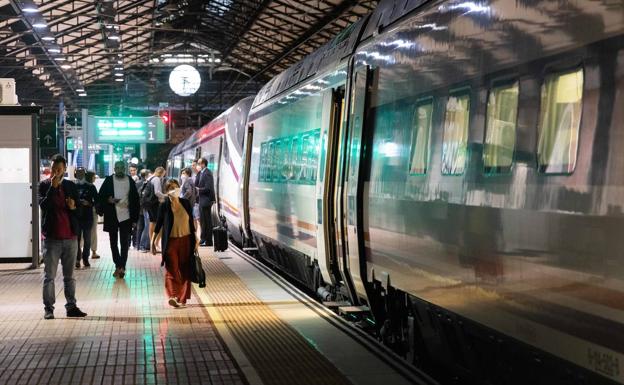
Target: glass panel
{"points": [[421, 124], [285, 165], [500, 132], [278, 162], [263, 159], [305, 143], [270, 162], [295, 159], [560, 119], [455, 141]]}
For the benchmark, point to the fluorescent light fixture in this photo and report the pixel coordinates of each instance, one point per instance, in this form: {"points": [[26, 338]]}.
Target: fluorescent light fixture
{"points": [[118, 74], [48, 38], [79, 89], [118, 68], [39, 24], [119, 61], [54, 50], [60, 59], [82, 94], [30, 10], [217, 60], [65, 66], [114, 37], [119, 80]]}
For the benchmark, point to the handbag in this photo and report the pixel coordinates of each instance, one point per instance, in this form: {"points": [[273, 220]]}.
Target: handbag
{"points": [[197, 271]]}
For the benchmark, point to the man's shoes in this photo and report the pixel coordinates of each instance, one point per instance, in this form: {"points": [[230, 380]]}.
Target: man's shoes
{"points": [[77, 265], [74, 312], [174, 302], [116, 273], [49, 314], [86, 264], [94, 256], [203, 244], [144, 251], [122, 273]]}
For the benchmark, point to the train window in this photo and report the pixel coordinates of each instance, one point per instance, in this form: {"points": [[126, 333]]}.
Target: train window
{"points": [[560, 119], [285, 162], [279, 161], [305, 154], [263, 160], [270, 161], [295, 158], [314, 157], [421, 129], [455, 141], [500, 130]]}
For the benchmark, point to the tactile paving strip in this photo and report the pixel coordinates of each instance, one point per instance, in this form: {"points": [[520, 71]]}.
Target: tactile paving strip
{"points": [[278, 353]]}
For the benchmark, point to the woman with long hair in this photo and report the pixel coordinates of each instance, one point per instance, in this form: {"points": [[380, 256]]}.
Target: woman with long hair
{"points": [[178, 243]]}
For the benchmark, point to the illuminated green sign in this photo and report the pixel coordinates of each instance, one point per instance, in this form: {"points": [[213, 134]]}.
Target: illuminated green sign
{"points": [[128, 130]]}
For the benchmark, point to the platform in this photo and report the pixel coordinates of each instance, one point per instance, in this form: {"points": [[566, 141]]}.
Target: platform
{"points": [[248, 326]]}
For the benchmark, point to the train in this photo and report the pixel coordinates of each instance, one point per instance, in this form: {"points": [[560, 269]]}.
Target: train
{"points": [[453, 168]]}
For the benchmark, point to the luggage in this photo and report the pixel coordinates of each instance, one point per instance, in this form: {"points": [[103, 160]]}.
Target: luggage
{"points": [[220, 238]]}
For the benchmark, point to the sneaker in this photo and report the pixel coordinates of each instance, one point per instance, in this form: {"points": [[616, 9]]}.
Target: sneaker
{"points": [[174, 302], [181, 304], [87, 264], [49, 314], [77, 265], [74, 312], [94, 255]]}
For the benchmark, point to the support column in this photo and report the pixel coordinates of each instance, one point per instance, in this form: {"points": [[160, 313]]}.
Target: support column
{"points": [[85, 138]]}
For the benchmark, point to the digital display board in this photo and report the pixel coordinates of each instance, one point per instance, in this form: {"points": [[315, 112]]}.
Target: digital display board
{"points": [[128, 130]]}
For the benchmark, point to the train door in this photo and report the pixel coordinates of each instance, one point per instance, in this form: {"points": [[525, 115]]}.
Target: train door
{"points": [[333, 109], [244, 186], [351, 201]]}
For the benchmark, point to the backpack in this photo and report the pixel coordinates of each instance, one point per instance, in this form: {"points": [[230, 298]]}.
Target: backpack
{"points": [[148, 195]]}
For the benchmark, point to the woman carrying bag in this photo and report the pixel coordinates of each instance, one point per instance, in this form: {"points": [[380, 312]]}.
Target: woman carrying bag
{"points": [[178, 242]]}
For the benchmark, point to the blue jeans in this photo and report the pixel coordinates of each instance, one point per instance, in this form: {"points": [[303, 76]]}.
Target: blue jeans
{"points": [[65, 251], [84, 234], [144, 242]]}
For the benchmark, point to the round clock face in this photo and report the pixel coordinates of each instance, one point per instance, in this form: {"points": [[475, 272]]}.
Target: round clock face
{"points": [[184, 80]]}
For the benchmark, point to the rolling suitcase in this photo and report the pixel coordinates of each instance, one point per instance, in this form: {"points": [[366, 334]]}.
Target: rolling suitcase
{"points": [[220, 238]]}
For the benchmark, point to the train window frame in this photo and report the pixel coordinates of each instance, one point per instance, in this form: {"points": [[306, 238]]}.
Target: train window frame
{"points": [[428, 100], [296, 158], [262, 164], [456, 92], [498, 84], [559, 72], [270, 155], [286, 156]]}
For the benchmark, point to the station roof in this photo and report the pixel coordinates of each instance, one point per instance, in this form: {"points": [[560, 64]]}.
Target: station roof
{"points": [[57, 48]]}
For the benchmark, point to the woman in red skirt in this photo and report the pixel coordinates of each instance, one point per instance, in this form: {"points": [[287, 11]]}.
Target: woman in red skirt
{"points": [[178, 242]]}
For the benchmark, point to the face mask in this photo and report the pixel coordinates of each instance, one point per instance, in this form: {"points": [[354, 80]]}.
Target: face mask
{"points": [[174, 193], [183, 178]]}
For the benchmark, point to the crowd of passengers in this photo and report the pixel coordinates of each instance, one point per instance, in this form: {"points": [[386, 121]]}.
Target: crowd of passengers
{"points": [[141, 209]]}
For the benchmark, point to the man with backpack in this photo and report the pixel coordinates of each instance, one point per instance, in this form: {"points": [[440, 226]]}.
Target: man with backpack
{"points": [[151, 196]]}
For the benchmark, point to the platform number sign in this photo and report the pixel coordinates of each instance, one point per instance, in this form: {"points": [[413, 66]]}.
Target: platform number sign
{"points": [[128, 130]]}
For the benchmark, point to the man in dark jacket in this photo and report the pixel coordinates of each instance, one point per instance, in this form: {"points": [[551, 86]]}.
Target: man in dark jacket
{"points": [[119, 203], [87, 195], [205, 188], [59, 226]]}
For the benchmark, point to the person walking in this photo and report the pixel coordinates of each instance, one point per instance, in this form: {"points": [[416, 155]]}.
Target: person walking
{"points": [[178, 244], [59, 226], [153, 196], [205, 188], [90, 178], [119, 202], [87, 195]]}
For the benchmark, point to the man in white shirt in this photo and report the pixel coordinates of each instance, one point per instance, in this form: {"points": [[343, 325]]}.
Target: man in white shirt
{"points": [[119, 202]]}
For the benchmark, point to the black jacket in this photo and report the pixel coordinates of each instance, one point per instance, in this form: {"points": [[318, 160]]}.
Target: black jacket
{"points": [[205, 185], [165, 222], [108, 209], [87, 192], [45, 191]]}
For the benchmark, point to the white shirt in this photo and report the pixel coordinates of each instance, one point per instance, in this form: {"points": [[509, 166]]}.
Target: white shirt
{"points": [[158, 190], [121, 186]]}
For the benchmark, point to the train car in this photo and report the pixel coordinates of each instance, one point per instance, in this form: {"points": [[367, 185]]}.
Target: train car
{"points": [[221, 143], [455, 167]]}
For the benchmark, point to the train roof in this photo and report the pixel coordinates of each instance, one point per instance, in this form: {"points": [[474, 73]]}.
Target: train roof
{"points": [[328, 56]]}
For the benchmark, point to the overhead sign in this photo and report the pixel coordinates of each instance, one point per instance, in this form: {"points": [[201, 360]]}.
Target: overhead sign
{"points": [[47, 131], [128, 130]]}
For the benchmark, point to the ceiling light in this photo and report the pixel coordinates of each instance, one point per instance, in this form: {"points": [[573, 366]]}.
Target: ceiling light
{"points": [[113, 37], [82, 94], [79, 89], [118, 68], [30, 10], [65, 66], [39, 25], [118, 74], [48, 38], [119, 80], [60, 59], [119, 61], [54, 50]]}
